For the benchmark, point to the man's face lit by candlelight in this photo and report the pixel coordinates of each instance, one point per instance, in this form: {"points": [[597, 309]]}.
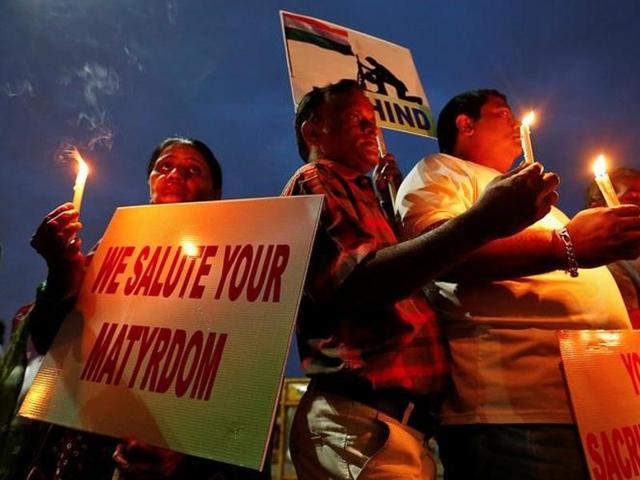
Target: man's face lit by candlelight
{"points": [[180, 174], [497, 132], [344, 131]]}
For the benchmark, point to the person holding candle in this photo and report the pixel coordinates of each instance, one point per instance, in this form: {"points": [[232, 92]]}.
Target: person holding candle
{"points": [[366, 334], [508, 414], [179, 170], [626, 184]]}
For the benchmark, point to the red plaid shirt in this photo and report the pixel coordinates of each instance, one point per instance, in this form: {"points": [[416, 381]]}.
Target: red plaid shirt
{"points": [[395, 345]]}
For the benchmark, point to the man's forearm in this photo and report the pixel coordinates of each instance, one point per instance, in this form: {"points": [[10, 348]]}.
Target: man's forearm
{"points": [[530, 252], [396, 271]]}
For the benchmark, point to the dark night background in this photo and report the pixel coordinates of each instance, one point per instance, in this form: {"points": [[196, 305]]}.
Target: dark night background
{"points": [[114, 77]]}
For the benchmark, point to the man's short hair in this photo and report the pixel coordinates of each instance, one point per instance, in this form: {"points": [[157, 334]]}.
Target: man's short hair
{"points": [[310, 104], [468, 103], [200, 147], [593, 195]]}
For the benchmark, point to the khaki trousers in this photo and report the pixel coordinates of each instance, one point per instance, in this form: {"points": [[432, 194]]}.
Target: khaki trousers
{"points": [[336, 438]]}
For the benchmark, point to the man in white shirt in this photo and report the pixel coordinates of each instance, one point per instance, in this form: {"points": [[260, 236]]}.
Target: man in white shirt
{"points": [[508, 413]]}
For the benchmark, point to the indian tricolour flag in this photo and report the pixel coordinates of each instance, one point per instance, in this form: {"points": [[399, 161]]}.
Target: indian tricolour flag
{"points": [[310, 30]]}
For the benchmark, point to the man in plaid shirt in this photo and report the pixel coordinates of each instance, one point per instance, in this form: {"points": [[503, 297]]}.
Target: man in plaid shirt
{"points": [[366, 334]]}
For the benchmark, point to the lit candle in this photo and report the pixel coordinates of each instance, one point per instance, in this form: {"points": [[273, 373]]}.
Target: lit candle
{"points": [[604, 184], [525, 137], [81, 179]]}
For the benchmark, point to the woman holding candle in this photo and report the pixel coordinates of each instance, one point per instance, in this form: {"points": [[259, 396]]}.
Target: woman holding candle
{"points": [[179, 170]]}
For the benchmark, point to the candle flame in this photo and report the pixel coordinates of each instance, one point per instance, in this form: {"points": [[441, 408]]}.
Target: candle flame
{"points": [[600, 166], [190, 249], [81, 177], [83, 168], [529, 118]]}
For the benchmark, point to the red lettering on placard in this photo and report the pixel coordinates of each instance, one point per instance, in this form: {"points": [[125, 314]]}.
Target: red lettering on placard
{"points": [[156, 285], [98, 352], [229, 259], [620, 448], [185, 283], [161, 272], [197, 290], [135, 333], [183, 382], [145, 281], [111, 259], [145, 345], [631, 363], [278, 266], [171, 361], [111, 362], [252, 272], [256, 281], [171, 282], [208, 368], [636, 434], [623, 462], [122, 266], [159, 349], [599, 471], [138, 268], [113, 265], [241, 267], [609, 458], [632, 448]]}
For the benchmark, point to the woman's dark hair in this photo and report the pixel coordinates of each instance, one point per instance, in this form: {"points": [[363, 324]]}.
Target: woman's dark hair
{"points": [[200, 147]]}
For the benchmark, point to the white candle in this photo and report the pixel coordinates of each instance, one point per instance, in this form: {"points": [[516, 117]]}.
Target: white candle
{"points": [[81, 179], [525, 137], [604, 183]]}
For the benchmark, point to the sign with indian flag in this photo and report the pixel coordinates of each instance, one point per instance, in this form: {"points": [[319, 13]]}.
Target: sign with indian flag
{"points": [[320, 52], [181, 330], [602, 369]]}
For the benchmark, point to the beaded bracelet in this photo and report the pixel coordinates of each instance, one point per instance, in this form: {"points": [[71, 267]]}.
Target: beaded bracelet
{"points": [[572, 262]]}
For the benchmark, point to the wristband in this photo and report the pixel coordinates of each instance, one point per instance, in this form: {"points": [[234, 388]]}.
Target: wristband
{"points": [[570, 251]]}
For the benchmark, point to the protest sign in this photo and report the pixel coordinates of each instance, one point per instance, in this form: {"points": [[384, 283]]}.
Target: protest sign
{"points": [[603, 374], [320, 52], [181, 330]]}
